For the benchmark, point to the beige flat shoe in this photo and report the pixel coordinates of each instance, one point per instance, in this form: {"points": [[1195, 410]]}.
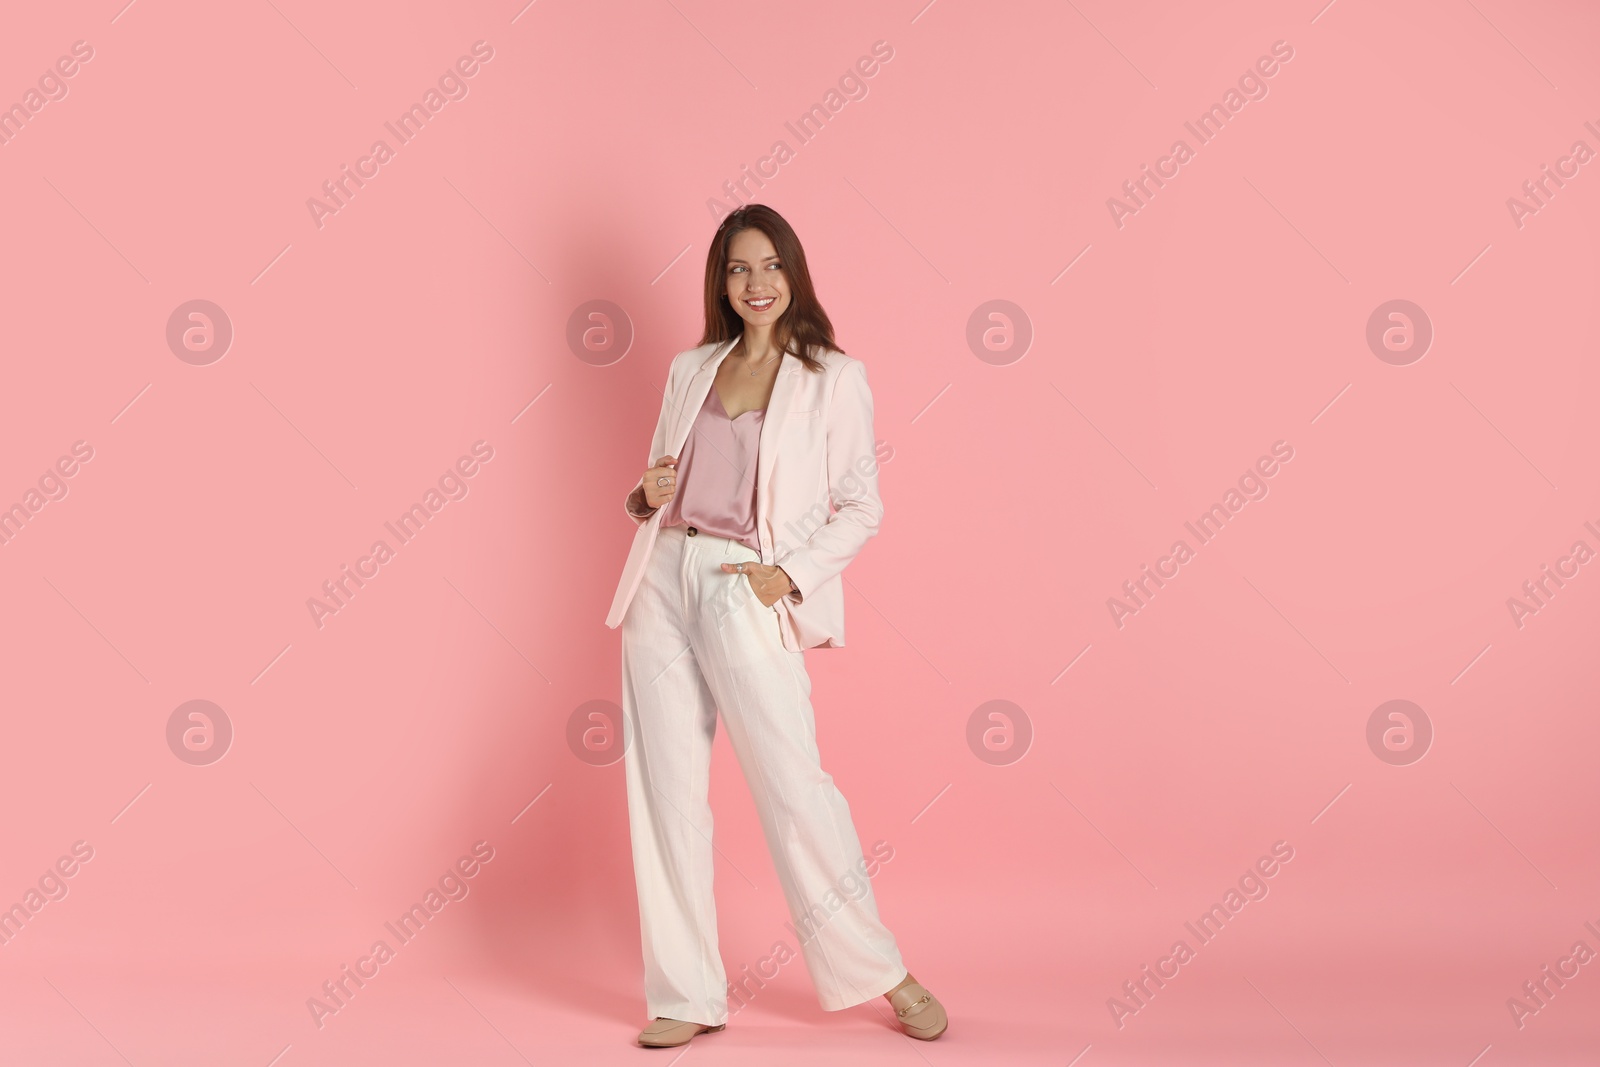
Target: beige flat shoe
{"points": [[921, 1016], [667, 1033]]}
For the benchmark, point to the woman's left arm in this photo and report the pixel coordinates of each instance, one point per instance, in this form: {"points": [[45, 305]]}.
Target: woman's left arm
{"points": [[852, 487]]}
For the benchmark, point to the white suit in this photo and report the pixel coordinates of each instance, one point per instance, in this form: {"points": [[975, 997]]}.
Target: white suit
{"points": [[696, 640], [816, 451]]}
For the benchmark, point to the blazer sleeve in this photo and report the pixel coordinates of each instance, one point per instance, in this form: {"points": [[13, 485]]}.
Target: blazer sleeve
{"points": [[850, 448], [635, 505]]}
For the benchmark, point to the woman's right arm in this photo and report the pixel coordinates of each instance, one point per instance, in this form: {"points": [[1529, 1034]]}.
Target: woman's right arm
{"points": [[635, 505]]}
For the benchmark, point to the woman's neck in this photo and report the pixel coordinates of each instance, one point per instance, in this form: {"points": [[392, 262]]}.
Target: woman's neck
{"points": [[756, 346]]}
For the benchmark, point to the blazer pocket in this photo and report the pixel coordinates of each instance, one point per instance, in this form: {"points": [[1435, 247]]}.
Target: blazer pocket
{"points": [[805, 414]]}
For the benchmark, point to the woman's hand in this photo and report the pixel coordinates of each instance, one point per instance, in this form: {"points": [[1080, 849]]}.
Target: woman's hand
{"points": [[665, 468], [767, 581]]}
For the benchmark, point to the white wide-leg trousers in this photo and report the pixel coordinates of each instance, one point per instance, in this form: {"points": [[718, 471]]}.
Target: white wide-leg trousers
{"points": [[696, 640]]}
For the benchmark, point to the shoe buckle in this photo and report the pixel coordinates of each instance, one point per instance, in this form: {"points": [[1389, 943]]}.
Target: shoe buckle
{"points": [[924, 999]]}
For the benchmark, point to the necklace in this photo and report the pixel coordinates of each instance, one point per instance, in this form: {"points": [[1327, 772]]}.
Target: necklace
{"points": [[769, 359]]}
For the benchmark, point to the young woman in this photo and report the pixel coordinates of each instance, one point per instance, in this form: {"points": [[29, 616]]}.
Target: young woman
{"points": [[734, 571]]}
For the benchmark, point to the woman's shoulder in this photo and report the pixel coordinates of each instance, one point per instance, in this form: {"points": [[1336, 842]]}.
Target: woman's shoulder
{"points": [[691, 358], [698, 351], [832, 360]]}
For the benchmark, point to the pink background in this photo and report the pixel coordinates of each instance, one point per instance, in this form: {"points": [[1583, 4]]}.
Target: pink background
{"points": [[432, 312]]}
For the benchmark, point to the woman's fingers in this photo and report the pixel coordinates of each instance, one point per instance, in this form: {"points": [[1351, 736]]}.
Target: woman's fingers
{"points": [[766, 580], [655, 493], [753, 571], [664, 471], [665, 468]]}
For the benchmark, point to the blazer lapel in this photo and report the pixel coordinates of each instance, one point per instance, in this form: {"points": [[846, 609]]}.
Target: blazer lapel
{"points": [[772, 425], [694, 395]]}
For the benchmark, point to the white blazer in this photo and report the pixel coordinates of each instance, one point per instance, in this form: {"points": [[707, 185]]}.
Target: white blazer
{"points": [[816, 449]]}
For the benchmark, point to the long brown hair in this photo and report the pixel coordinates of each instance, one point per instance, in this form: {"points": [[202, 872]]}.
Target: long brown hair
{"points": [[803, 328]]}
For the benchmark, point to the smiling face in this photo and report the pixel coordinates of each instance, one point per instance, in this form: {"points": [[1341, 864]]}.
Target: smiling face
{"points": [[758, 288]]}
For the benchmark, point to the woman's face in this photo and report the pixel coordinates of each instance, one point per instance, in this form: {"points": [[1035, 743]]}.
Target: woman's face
{"points": [[758, 288]]}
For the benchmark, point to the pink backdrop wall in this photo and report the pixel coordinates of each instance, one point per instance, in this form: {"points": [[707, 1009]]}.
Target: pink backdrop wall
{"points": [[1144, 361]]}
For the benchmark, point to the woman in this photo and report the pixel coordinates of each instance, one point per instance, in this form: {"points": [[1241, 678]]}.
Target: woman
{"points": [[734, 570]]}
